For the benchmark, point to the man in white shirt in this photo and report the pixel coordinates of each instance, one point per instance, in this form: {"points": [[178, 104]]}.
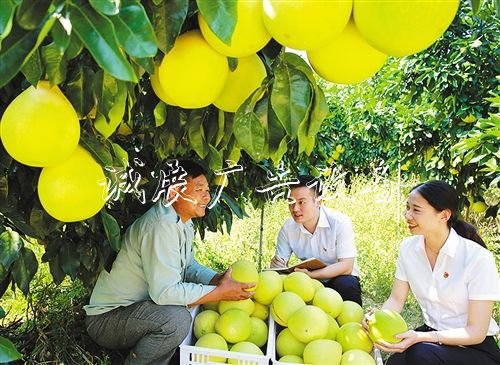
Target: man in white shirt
{"points": [[316, 231]]}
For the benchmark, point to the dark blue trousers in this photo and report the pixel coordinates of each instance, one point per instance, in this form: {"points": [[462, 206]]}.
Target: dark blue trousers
{"points": [[347, 286], [485, 353]]}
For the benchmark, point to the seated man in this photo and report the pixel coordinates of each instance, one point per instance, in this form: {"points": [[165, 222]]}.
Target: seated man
{"points": [[317, 231], [143, 302]]}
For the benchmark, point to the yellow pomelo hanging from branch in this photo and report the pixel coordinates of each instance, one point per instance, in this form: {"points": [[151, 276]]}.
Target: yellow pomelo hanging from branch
{"points": [[193, 74], [158, 89], [403, 27], [40, 127], [241, 83], [74, 189], [249, 35], [347, 58], [305, 25]]}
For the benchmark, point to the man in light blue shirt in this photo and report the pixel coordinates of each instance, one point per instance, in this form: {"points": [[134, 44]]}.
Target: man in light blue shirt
{"points": [[316, 231], [143, 302]]}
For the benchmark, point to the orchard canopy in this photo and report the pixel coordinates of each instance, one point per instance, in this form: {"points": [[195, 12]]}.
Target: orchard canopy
{"points": [[99, 96]]}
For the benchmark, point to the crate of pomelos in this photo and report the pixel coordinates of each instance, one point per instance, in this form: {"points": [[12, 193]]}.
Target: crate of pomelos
{"points": [[234, 332], [311, 324]]}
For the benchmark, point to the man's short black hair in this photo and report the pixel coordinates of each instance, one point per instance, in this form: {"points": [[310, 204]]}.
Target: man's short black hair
{"points": [[310, 182], [192, 168]]}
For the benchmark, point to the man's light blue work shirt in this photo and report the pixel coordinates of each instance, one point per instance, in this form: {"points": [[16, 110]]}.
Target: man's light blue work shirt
{"points": [[156, 262]]}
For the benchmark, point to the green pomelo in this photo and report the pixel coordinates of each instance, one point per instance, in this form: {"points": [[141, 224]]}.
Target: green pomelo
{"points": [[333, 329], [204, 323], [234, 325], [301, 284], [287, 344], [351, 312], [247, 348], [329, 300], [211, 341], [261, 311], [321, 352], [270, 285], [246, 305], [244, 271], [309, 323], [383, 324], [317, 284], [352, 336], [259, 332], [211, 305], [357, 357], [291, 359], [284, 305]]}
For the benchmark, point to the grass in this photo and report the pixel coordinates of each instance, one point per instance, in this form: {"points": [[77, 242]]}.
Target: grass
{"points": [[48, 327]]}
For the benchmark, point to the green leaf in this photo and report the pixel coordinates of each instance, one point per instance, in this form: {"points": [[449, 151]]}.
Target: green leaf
{"points": [[79, 89], [24, 269], [31, 13], [107, 7], [310, 127], [10, 247], [8, 351], [75, 47], [196, 133], [98, 150], [120, 155], [98, 35], [134, 31], [112, 229], [2, 313], [18, 48], [300, 64], [476, 5], [214, 158], [105, 88], [167, 18], [60, 36], [233, 204], [119, 101], [220, 16], [69, 259], [280, 151], [160, 113], [291, 97], [33, 68], [55, 63], [250, 134], [6, 18]]}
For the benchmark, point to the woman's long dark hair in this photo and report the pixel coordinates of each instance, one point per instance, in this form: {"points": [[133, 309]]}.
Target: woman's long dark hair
{"points": [[441, 196]]}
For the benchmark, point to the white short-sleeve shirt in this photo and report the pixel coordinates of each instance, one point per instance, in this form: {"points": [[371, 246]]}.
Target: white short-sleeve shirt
{"points": [[464, 271], [332, 240]]}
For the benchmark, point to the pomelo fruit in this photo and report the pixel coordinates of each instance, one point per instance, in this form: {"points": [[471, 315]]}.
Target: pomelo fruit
{"points": [[284, 305], [351, 312], [40, 127], [305, 25], [247, 348], [299, 283], [211, 341], [309, 323], [321, 352], [270, 285], [261, 311], [244, 271], [357, 357], [288, 344], [333, 328], [352, 336], [234, 325], [259, 332], [246, 305], [293, 359], [192, 73], [329, 300], [204, 323], [383, 324], [249, 34]]}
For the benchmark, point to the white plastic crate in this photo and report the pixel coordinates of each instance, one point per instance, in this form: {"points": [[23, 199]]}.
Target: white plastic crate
{"points": [[190, 354], [271, 346]]}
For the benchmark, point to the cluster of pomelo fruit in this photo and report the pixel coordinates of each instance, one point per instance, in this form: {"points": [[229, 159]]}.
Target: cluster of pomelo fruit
{"points": [[315, 325], [346, 41], [41, 128]]}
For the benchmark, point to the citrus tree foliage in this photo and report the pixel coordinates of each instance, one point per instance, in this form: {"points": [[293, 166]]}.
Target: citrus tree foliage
{"points": [[101, 53], [433, 114]]}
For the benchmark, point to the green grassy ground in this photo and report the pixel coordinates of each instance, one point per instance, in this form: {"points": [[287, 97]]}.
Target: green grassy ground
{"points": [[48, 328]]}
